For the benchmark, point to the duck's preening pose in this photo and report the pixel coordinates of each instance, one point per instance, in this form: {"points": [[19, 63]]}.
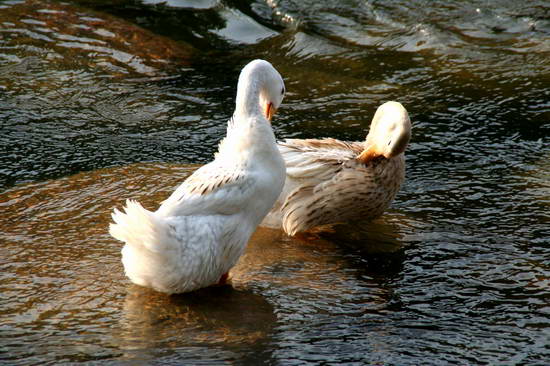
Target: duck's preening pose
{"points": [[197, 235], [330, 181]]}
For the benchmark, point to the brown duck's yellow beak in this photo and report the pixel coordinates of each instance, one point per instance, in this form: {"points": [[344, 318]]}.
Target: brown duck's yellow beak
{"points": [[368, 155], [270, 111]]}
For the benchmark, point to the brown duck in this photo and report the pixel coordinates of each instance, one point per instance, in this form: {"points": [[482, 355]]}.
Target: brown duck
{"points": [[330, 181]]}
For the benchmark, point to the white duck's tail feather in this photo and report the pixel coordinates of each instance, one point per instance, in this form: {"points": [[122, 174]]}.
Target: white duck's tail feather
{"points": [[141, 228], [152, 254]]}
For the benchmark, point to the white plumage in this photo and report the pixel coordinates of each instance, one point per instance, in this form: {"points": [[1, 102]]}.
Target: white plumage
{"points": [[198, 234], [330, 181]]}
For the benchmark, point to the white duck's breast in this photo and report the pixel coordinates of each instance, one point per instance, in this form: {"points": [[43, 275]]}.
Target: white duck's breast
{"points": [[264, 163]]}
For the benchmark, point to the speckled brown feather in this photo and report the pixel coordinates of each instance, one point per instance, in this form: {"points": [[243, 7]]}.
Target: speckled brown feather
{"points": [[319, 144], [330, 181], [356, 191]]}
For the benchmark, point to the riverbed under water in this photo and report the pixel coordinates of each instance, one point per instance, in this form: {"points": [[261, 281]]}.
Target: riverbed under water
{"points": [[101, 101]]}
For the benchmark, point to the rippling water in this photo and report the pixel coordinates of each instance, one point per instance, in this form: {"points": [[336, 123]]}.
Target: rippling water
{"points": [[105, 100]]}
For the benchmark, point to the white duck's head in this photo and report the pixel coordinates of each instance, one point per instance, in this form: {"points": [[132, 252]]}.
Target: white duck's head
{"points": [[260, 90], [390, 132]]}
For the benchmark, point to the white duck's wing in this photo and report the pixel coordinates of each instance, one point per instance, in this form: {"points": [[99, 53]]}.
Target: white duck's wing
{"points": [[213, 189]]}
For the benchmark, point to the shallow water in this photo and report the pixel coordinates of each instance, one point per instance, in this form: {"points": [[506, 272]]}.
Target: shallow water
{"points": [[101, 101]]}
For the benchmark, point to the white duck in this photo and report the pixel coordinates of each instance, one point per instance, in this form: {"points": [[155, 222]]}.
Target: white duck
{"points": [[198, 234], [330, 181]]}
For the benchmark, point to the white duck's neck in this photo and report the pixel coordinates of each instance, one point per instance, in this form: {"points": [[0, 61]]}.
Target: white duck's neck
{"points": [[248, 133], [248, 96]]}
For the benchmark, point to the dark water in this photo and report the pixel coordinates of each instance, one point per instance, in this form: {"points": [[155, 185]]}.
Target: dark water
{"points": [[105, 100]]}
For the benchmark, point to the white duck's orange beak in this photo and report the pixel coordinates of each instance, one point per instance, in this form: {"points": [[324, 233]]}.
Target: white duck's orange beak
{"points": [[270, 110]]}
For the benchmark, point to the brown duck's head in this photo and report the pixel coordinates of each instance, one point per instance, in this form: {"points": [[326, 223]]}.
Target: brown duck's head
{"points": [[390, 132]]}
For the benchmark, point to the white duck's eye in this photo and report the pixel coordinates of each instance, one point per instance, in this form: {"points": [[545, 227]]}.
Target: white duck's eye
{"points": [[283, 91]]}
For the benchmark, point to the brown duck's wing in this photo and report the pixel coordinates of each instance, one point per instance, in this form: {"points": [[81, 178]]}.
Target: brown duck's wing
{"points": [[354, 192], [316, 159]]}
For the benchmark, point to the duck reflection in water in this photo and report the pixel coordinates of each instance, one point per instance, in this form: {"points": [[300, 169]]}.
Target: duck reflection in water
{"points": [[294, 272], [216, 316]]}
